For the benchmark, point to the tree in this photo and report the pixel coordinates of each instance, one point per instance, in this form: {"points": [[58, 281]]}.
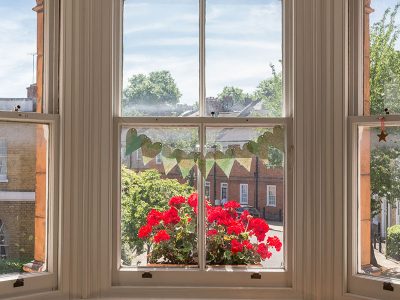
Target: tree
{"points": [[142, 192], [385, 64], [152, 91], [385, 176], [236, 94], [269, 91]]}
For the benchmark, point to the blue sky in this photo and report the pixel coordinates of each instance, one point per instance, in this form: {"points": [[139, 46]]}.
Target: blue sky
{"points": [[242, 38], [17, 40]]}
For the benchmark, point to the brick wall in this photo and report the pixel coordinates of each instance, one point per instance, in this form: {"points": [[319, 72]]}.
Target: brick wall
{"points": [[18, 218], [21, 157], [239, 175]]}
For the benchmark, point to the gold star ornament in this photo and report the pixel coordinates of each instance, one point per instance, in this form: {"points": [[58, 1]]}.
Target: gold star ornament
{"points": [[382, 136]]}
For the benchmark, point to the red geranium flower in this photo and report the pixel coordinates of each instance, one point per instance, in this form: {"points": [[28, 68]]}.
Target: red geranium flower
{"points": [[262, 249], [248, 245], [236, 246], [154, 217], [176, 201], [212, 232], [162, 235], [259, 228], [274, 242], [171, 216], [236, 228], [144, 231], [246, 216], [231, 204], [192, 201]]}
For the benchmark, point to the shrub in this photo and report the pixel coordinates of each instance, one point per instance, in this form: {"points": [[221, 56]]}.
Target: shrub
{"points": [[393, 242], [12, 265], [141, 192]]}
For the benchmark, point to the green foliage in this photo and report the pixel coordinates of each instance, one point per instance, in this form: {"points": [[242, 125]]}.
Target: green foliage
{"points": [[385, 64], [236, 94], [393, 242], [385, 177], [140, 193], [270, 92], [12, 265], [158, 88]]}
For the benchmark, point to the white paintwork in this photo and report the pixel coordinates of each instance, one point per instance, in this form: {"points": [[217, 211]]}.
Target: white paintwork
{"points": [[17, 196]]}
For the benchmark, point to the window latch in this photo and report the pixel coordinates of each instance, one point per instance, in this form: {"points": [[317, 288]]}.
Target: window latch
{"points": [[256, 276], [387, 286], [19, 282], [147, 275]]}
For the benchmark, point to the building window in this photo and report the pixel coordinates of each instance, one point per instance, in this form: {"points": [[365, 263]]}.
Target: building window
{"points": [[244, 194], [3, 160], [207, 189], [184, 102], [271, 195], [158, 159], [224, 192]]}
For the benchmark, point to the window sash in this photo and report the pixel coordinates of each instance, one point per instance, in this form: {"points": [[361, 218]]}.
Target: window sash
{"points": [[244, 193], [43, 281], [362, 284], [271, 195], [168, 276]]}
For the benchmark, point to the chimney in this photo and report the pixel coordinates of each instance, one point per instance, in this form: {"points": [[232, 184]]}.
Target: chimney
{"points": [[32, 91]]}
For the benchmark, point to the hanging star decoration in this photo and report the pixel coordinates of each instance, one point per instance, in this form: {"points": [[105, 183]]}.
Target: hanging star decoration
{"points": [[382, 136]]}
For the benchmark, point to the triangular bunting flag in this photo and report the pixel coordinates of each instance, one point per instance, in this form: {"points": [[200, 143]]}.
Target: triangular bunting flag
{"points": [[245, 162], [146, 159], [226, 165], [169, 163], [185, 165]]}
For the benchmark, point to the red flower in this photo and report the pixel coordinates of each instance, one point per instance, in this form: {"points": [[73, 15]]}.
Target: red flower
{"points": [[248, 245], [262, 249], [171, 216], [236, 246], [192, 201], [231, 204], [212, 232], [236, 228], [189, 219], [176, 201], [162, 235], [259, 228], [154, 217], [274, 242], [144, 231], [246, 216]]}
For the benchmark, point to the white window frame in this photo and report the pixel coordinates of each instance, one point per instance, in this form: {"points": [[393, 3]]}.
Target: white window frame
{"points": [[3, 159], [271, 188], [207, 184], [47, 281], [358, 284], [244, 186], [224, 187], [281, 278], [158, 159]]}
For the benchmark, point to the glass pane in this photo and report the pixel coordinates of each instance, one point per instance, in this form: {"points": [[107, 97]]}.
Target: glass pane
{"points": [[381, 50], [21, 51], [378, 202], [241, 228], [244, 58], [158, 200], [23, 197], [161, 58]]}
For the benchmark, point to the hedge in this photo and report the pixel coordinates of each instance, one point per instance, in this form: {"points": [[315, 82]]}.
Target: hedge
{"points": [[393, 242]]}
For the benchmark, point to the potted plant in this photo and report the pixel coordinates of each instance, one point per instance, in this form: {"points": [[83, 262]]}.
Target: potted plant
{"points": [[232, 239]]}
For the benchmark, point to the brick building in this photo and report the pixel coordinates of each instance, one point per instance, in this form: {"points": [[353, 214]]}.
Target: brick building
{"points": [[260, 185], [17, 184]]}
